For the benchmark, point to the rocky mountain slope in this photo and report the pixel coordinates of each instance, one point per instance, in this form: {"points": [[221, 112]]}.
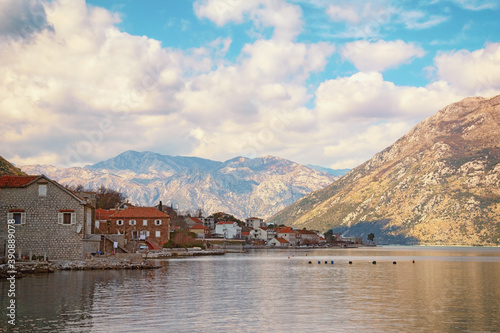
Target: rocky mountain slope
{"points": [[241, 186], [438, 184], [7, 168]]}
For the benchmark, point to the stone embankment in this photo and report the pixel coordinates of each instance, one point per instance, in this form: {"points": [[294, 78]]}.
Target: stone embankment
{"points": [[126, 261]]}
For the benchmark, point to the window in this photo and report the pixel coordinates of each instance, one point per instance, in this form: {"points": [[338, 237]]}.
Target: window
{"points": [[132, 222], [42, 190], [157, 233], [157, 222], [18, 217], [145, 233], [119, 222], [144, 222], [67, 218]]}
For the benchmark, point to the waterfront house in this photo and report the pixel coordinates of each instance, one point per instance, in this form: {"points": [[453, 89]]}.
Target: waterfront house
{"points": [[292, 236], [309, 237], [200, 230], [141, 224], [227, 229], [50, 220], [279, 242], [262, 233]]}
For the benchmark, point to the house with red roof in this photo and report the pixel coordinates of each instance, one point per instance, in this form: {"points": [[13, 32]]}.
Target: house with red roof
{"points": [[291, 235], [192, 221], [200, 230], [141, 224], [227, 229], [49, 219], [279, 242], [309, 237]]}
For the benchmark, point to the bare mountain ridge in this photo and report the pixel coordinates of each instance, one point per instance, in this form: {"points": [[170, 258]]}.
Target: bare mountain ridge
{"points": [[438, 184], [8, 169], [241, 186]]}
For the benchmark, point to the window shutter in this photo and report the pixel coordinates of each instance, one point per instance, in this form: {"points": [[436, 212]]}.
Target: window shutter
{"points": [[60, 217], [73, 218], [23, 218], [10, 216]]}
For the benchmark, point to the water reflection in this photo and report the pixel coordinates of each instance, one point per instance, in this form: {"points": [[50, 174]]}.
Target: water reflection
{"points": [[445, 290]]}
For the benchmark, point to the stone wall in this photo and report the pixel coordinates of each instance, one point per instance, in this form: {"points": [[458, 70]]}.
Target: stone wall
{"points": [[41, 234]]}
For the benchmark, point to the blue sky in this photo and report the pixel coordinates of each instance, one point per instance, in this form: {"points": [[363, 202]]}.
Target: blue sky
{"points": [[319, 82]]}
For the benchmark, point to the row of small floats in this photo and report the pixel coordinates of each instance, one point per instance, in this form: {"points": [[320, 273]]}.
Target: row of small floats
{"points": [[350, 262]]}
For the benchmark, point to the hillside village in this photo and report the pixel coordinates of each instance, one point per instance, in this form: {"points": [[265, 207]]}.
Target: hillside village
{"points": [[55, 222]]}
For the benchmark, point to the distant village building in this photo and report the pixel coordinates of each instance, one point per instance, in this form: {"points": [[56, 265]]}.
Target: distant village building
{"points": [[200, 230], [228, 230], [262, 233], [292, 236], [49, 219], [208, 222], [141, 224], [192, 221], [102, 220], [309, 237], [254, 222], [279, 242]]}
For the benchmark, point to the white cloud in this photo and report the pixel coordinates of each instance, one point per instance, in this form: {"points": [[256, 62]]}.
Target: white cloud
{"points": [[380, 55], [367, 97], [418, 20], [477, 4], [285, 18], [85, 91], [472, 73], [346, 14]]}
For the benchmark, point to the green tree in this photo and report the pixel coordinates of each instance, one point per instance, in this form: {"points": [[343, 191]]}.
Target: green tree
{"points": [[371, 237]]}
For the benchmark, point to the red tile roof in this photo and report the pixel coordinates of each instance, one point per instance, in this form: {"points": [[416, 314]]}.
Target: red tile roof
{"points": [[307, 232], [245, 233], [103, 214], [286, 230], [198, 226], [139, 212], [226, 222], [196, 220], [16, 181], [282, 240]]}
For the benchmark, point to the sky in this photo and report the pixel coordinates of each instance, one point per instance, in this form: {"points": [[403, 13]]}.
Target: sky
{"points": [[323, 82]]}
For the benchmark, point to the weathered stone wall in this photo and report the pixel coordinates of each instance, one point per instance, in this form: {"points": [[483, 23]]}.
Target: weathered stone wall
{"points": [[41, 234]]}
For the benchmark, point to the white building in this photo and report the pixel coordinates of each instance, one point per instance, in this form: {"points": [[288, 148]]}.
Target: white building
{"points": [[254, 222], [228, 230], [279, 241], [262, 233]]}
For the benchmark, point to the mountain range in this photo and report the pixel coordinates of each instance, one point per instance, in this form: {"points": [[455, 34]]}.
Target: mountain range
{"points": [[241, 186], [438, 184]]}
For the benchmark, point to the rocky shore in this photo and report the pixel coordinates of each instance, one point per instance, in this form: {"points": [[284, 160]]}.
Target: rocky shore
{"points": [[106, 263]]}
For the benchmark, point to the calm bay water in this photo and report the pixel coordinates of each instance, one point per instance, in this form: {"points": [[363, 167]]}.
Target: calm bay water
{"points": [[445, 290]]}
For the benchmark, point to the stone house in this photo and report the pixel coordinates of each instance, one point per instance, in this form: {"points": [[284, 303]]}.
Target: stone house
{"points": [[50, 220], [141, 224]]}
